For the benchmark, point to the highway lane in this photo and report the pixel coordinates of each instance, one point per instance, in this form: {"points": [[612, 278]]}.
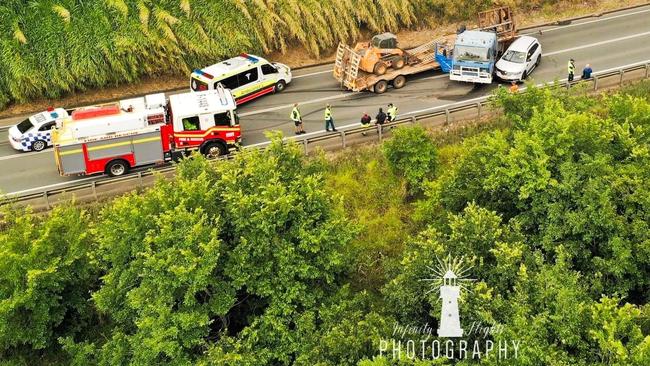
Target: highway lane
{"points": [[614, 40]]}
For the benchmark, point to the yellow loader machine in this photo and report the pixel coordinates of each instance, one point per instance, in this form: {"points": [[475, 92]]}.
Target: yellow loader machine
{"points": [[381, 53]]}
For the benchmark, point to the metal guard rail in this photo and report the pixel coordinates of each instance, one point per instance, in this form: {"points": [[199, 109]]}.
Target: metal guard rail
{"points": [[447, 110]]}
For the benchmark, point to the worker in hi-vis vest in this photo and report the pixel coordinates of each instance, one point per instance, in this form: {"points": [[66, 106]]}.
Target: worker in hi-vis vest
{"points": [[391, 112], [297, 119], [571, 69], [329, 120]]}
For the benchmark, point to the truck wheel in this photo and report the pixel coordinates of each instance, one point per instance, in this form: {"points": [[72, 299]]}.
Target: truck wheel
{"points": [[214, 149], [380, 68], [38, 145], [117, 167], [279, 86], [398, 63], [399, 82], [381, 87]]}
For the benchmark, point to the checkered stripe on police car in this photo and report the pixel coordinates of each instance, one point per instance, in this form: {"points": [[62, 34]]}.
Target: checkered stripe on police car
{"points": [[29, 139]]}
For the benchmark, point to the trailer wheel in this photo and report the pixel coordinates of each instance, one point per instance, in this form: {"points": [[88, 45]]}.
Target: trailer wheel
{"points": [[398, 63], [381, 87], [117, 167], [399, 82], [380, 68], [279, 86], [214, 149]]}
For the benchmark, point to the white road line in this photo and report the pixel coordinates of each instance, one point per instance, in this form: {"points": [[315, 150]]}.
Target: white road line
{"points": [[272, 109], [23, 154], [597, 44], [333, 97], [312, 74], [588, 22]]}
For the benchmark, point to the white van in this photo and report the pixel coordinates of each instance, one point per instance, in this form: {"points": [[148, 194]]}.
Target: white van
{"points": [[247, 76]]}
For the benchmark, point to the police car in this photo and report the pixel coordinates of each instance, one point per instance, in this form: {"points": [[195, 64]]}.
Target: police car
{"points": [[35, 133], [247, 76]]}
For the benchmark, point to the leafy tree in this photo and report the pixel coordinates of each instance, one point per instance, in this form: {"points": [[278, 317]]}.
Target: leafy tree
{"points": [[412, 154], [618, 332], [343, 330], [219, 256], [570, 178], [46, 275]]}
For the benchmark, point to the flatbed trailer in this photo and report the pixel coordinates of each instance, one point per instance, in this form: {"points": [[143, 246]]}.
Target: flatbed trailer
{"points": [[351, 77]]}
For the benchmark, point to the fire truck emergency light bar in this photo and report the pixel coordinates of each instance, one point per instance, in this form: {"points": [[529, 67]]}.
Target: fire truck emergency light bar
{"points": [[203, 73], [92, 112]]}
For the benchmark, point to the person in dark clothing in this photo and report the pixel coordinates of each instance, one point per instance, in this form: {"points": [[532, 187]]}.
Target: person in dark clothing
{"points": [[380, 119], [365, 121], [586, 72]]}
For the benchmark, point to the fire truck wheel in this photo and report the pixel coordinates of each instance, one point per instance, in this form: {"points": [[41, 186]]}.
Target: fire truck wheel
{"points": [[214, 149], [381, 87], [38, 145], [279, 86], [117, 167]]}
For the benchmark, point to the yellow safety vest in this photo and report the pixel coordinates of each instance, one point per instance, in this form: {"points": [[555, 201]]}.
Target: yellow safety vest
{"points": [[328, 113], [295, 114], [572, 68]]}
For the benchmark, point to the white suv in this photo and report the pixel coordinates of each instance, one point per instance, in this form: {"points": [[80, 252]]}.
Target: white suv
{"points": [[519, 60]]}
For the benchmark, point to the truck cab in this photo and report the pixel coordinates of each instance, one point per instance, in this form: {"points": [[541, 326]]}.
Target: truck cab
{"points": [[474, 56], [204, 120]]}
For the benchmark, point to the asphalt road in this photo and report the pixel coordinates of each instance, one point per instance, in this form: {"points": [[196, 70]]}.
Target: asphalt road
{"points": [[607, 42]]}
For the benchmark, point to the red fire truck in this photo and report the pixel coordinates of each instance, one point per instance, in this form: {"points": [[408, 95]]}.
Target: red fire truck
{"points": [[113, 138]]}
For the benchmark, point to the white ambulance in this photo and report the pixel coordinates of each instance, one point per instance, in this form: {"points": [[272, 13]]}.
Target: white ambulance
{"points": [[247, 76], [35, 132]]}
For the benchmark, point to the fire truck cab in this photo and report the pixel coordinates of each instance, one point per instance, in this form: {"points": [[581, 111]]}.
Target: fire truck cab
{"points": [[205, 120], [113, 138]]}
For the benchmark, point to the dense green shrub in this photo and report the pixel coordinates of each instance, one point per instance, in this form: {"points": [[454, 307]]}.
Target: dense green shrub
{"points": [[412, 154], [46, 275], [373, 198], [238, 251]]}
